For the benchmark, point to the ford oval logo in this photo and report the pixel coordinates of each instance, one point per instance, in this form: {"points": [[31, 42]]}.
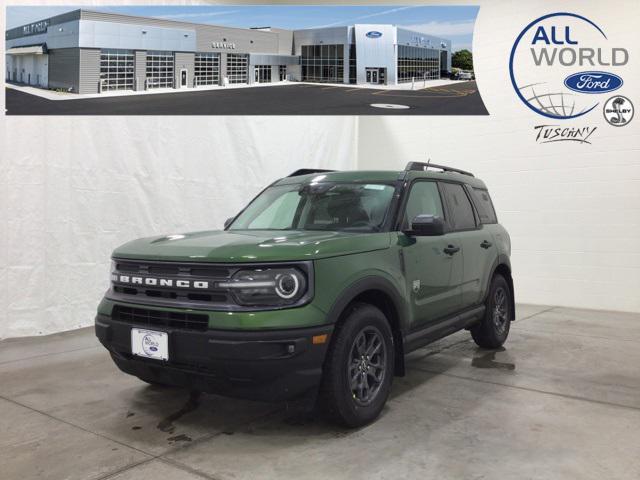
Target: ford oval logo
{"points": [[374, 34], [593, 82]]}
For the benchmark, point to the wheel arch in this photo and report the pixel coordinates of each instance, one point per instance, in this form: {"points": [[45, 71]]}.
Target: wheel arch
{"points": [[502, 266], [382, 294]]}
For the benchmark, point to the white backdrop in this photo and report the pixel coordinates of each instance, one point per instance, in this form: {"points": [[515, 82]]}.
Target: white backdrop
{"points": [[72, 189]]}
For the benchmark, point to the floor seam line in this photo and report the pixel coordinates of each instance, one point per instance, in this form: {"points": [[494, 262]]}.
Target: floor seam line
{"points": [[534, 315], [66, 422], [529, 330], [48, 355], [130, 466], [528, 389], [188, 468]]}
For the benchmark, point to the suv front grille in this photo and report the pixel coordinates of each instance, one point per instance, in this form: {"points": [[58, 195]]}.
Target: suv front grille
{"points": [[157, 318], [172, 295]]}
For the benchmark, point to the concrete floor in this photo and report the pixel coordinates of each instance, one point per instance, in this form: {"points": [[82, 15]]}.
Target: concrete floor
{"points": [[562, 400]]}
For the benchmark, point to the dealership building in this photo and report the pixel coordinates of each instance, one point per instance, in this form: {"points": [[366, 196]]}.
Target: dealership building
{"points": [[85, 51]]}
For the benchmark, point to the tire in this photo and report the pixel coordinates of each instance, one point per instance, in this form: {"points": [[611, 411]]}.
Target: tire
{"points": [[493, 330], [348, 371]]}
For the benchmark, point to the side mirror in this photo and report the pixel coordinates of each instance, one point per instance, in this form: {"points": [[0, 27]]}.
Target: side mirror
{"points": [[228, 221], [427, 226]]}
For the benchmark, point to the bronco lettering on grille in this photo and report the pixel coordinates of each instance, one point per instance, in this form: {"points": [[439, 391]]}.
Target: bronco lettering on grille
{"points": [[163, 282]]}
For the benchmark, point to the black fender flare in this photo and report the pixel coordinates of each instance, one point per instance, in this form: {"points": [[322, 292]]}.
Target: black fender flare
{"points": [[362, 285], [501, 259], [399, 304]]}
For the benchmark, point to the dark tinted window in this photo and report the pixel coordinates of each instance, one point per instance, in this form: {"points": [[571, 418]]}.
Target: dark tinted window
{"points": [[460, 206], [484, 205], [424, 199]]}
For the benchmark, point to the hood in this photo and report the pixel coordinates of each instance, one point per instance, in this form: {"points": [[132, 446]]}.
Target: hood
{"points": [[251, 246]]}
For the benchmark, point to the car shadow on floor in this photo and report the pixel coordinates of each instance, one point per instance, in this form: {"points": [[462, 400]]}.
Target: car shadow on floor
{"points": [[296, 418]]}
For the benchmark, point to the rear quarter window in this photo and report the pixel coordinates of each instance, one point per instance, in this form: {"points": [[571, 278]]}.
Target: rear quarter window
{"points": [[484, 205]]}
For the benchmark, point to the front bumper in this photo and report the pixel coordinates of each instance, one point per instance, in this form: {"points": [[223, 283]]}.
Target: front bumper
{"points": [[267, 365]]}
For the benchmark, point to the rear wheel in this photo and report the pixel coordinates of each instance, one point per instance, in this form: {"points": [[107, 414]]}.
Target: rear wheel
{"points": [[493, 330], [359, 367]]}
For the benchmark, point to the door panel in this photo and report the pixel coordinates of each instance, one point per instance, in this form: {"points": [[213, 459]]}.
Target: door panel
{"points": [[433, 277], [474, 260], [476, 243]]}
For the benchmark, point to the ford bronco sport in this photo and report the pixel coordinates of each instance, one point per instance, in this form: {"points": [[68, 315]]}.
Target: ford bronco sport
{"points": [[321, 285]]}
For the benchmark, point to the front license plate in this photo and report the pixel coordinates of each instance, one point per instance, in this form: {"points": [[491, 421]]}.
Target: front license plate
{"points": [[150, 344]]}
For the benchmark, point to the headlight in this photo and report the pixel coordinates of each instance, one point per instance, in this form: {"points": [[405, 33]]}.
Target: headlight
{"points": [[269, 286]]}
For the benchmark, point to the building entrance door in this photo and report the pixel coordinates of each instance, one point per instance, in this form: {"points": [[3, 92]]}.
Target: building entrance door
{"points": [[373, 76], [183, 77]]}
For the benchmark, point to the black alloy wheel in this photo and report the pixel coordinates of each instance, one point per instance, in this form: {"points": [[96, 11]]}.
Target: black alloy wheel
{"points": [[367, 365], [358, 370], [492, 331]]}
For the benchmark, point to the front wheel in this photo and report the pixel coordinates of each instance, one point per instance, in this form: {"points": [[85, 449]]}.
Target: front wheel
{"points": [[493, 330], [359, 367]]}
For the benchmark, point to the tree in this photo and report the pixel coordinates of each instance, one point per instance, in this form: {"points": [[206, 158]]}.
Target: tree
{"points": [[462, 59]]}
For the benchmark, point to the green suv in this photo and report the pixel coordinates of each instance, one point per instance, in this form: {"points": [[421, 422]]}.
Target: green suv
{"points": [[317, 289]]}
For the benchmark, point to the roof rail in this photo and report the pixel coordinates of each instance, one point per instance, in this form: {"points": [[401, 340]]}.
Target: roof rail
{"points": [[307, 171], [422, 167]]}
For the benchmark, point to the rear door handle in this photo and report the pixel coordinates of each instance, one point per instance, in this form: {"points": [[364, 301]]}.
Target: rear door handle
{"points": [[450, 249], [486, 244]]}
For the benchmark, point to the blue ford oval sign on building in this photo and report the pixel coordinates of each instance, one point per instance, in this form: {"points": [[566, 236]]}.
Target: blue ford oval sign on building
{"points": [[593, 82], [374, 34]]}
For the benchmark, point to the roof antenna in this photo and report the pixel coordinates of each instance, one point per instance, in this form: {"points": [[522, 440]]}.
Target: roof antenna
{"points": [[427, 165]]}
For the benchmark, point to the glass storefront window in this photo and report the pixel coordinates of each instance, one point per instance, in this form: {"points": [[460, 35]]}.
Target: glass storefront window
{"points": [[323, 63], [263, 73], [418, 63]]}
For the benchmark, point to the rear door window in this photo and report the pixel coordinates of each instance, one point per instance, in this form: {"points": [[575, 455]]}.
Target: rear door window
{"points": [[459, 207], [484, 205]]}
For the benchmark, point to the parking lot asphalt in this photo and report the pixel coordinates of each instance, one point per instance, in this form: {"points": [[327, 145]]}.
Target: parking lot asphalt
{"points": [[296, 99]]}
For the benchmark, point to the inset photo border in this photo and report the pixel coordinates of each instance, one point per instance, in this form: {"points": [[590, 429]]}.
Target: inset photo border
{"points": [[241, 60]]}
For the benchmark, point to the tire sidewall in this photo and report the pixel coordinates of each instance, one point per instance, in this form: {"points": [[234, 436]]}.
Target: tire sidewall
{"points": [[361, 317], [498, 282]]}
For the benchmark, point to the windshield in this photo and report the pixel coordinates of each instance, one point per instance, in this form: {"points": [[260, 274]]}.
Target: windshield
{"points": [[322, 206]]}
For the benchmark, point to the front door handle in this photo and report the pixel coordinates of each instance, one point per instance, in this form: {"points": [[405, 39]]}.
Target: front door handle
{"points": [[450, 249], [486, 244]]}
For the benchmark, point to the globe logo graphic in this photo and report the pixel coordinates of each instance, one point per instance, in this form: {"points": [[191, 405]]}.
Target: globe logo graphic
{"points": [[552, 49]]}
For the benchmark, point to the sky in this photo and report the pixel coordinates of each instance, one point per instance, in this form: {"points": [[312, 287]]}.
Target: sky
{"points": [[454, 23]]}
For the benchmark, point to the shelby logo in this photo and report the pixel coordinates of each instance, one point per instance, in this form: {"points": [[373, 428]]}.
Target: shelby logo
{"points": [[544, 60], [374, 34], [159, 282], [556, 133]]}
